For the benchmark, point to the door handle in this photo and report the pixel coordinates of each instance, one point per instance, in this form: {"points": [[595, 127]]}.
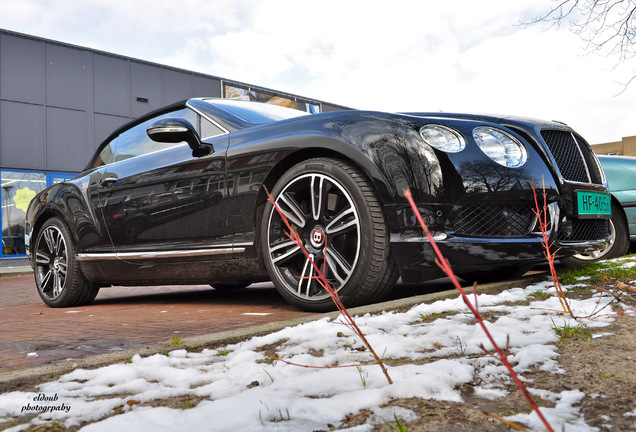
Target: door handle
{"points": [[108, 181]]}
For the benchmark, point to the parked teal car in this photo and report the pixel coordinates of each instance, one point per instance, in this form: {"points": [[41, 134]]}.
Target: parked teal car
{"points": [[620, 172]]}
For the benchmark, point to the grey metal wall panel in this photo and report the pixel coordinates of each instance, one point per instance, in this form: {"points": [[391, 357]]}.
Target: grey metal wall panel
{"points": [[176, 86], [104, 126], [207, 87], [110, 85], [145, 88], [71, 98], [329, 107], [66, 149], [22, 135], [22, 69], [65, 77]]}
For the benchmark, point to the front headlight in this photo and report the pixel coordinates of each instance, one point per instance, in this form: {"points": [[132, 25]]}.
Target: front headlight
{"points": [[500, 146], [443, 138]]}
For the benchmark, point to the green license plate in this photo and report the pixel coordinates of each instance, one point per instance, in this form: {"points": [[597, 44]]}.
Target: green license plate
{"points": [[593, 204]]}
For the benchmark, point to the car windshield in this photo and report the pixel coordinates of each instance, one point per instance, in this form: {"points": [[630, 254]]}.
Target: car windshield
{"points": [[255, 112]]}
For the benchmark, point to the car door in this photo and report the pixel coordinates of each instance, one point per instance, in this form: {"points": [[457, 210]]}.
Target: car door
{"points": [[158, 202]]}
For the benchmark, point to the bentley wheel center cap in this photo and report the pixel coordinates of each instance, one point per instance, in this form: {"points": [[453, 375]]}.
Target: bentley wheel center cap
{"points": [[317, 237]]}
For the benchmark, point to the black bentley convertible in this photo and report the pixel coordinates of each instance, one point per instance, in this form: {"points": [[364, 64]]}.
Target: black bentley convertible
{"points": [[179, 197]]}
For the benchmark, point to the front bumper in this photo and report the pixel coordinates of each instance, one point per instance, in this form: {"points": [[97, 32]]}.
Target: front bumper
{"points": [[503, 235]]}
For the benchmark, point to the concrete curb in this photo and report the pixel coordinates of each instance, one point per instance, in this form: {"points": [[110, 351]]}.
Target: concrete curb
{"points": [[10, 381], [15, 271]]}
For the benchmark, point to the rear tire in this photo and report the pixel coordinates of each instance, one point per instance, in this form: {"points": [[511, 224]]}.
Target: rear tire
{"points": [[59, 280], [340, 222]]}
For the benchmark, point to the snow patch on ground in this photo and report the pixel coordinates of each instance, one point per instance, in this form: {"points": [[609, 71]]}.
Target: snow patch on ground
{"points": [[242, 389]]}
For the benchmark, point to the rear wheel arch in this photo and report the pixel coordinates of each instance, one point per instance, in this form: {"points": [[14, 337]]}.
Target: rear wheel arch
{"points": [[42, 218]]}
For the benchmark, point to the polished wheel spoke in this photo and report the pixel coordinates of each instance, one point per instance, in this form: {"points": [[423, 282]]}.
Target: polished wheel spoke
{"points": [[283, 251], [306, 277], [42, 259], [59, 245], [293, 212], [44, 280], [57, 284], [62, 268], [338, 265], [317, 196], [48, 238], [344, 221]]}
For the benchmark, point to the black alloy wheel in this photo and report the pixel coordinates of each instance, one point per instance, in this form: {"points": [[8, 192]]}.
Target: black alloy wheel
{"points": [[333, 209], [58, 277]]}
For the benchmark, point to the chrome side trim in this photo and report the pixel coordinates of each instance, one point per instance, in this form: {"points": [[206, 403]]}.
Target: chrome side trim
{"points": [[163, 254]]}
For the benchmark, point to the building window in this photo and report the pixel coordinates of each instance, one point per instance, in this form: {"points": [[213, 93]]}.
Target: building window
{"points": [[18, 188]]}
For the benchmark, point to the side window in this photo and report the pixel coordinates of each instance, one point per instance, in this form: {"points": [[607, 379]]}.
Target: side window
{"points": [[208, 129], [107, 155], [135, 141]]}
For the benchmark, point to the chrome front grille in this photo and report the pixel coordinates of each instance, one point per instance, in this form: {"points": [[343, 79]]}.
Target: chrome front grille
{"points": [[573, 156]]}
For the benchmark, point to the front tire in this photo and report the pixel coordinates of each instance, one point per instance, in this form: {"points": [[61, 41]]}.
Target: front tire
{"points": [[58, 278], [618, 246], [333, 209]]}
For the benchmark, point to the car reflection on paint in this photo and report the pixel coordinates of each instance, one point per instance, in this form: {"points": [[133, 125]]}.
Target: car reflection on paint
{"points": [[179, 197]]}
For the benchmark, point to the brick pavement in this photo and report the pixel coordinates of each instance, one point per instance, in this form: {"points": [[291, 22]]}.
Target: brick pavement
{"points": [[136, 318], [123, 318]]}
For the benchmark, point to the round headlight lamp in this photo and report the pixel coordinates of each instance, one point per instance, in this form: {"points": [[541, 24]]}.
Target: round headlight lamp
{"points": [[443, 138], [500, 146]]}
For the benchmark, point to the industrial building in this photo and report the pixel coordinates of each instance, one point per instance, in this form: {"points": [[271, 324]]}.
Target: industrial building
{"points": [[59, 101]]}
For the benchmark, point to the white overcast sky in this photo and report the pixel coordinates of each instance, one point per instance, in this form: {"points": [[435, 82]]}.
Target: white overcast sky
{"points": [[391, 55]]}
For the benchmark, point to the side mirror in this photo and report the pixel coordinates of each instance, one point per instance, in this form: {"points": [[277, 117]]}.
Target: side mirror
{"points": [[176, 130]]}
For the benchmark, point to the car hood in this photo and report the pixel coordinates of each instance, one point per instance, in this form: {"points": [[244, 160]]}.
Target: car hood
{"points": [[490, 118]]}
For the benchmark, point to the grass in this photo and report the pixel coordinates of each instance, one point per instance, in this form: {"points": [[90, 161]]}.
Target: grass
{"points": [[566, 331], [597, 272], [363, 376], [539, 295], [399, 426]]}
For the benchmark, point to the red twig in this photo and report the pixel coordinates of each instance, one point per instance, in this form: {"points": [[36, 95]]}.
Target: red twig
{"points": [[446, 267], [543, 223]]}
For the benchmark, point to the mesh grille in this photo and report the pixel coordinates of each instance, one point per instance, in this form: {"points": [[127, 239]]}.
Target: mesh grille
{"points": [[492, 219], [586, 229], [572, 156]]}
